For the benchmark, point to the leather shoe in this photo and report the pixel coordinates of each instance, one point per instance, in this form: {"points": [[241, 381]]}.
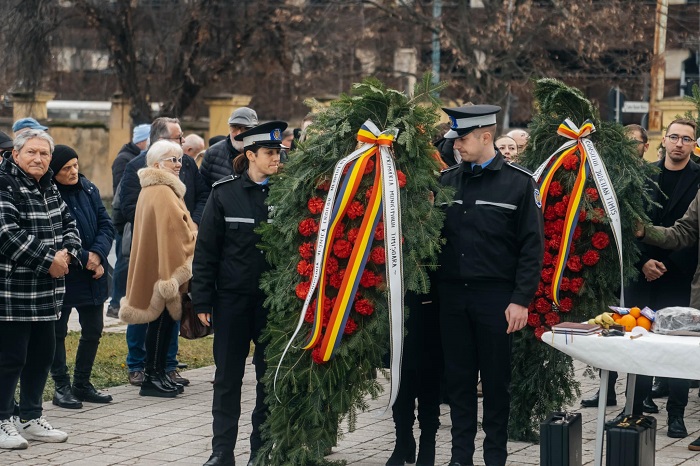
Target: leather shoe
{"points": [[676, 427], [220, 459], [112, 312], [136, 378], [694, 445], [648, 406], [617, 419], [659, 389], [177, 378], [592, 402], [86, 392], [63, 398]]}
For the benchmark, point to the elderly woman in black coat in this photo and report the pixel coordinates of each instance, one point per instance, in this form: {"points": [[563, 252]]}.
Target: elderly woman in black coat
{"points": [[86, 287]]}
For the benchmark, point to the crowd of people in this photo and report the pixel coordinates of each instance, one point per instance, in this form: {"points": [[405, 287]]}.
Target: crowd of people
{"points": [[184, 223]]}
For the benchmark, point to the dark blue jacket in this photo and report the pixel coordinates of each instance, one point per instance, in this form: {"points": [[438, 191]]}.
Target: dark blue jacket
{"points": [[195, 197], [96, 234]]}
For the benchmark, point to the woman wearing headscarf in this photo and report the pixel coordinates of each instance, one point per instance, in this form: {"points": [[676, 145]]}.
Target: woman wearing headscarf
{"points": [[86, 284], [160, 265]]}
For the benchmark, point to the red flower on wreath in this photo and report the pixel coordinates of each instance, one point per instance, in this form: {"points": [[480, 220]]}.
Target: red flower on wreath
{"points": [[592, 194], [555, 189], [551, 318], [600, 240], [336, 279], [355, 209], [543, 306], [591, 258], [550, 229], [342, 248], [565, 304], [306, 250], [368, 168], [547, 275], [379, 231], [364, 307], [324, 185], [401, 177], [548, 258], [533, 320], [564, 284], [560, 209], [555, 242], [370, 279], [368, 193], [549, 214], [304, 268], [571, 162], [316, 355], [377, 255], [576, 284], [331, 265], [539, 331], [302, 289], [577, 233], [308, 227], [339, 231], [315, 205], [350, 326], [574, 263], [582, 215], [352, 234], [598, 215]]}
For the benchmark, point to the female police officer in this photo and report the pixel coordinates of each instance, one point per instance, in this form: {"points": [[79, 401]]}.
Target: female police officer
{"points": [[226, 270]]}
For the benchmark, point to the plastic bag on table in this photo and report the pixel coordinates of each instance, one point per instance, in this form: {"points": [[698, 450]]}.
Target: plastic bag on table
{"points": [[677, 321]]}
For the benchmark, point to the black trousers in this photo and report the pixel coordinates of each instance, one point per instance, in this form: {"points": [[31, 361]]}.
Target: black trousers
{"points": [[91, 324], [26, 353], [157, 342], [474, 339], [238, 319]]}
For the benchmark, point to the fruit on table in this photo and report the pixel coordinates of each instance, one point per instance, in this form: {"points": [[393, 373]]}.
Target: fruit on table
{"points": [[628, 321]]}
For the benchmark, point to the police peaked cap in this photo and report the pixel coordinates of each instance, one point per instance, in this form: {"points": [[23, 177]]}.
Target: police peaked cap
{"points": [[467, 118], [266, 135]]}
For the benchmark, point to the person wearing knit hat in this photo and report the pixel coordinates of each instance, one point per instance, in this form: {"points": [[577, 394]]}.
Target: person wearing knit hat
{"points": [[86, 285], [141, 133], [24, 124]]}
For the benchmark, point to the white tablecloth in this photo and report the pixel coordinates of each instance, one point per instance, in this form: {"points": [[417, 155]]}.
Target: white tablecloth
{"points": [[651, 354]]}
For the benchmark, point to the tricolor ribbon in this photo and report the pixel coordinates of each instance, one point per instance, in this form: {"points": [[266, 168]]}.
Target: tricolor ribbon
{"points": [[590, 163], [385, 201]]}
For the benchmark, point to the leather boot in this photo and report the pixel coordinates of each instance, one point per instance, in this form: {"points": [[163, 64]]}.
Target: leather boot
{"points": [[404, 449], [426, 448], [63, 397], [154, 386], [167, 380], [87, 392]]}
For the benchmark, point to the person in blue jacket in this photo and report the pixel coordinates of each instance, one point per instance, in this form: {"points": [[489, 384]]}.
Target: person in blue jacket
{"points": [[86, 285]]}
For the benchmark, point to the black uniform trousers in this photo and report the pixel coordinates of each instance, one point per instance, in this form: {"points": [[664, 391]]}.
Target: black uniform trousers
{"points": [[91, 324], [238, 319], [474, 339]]}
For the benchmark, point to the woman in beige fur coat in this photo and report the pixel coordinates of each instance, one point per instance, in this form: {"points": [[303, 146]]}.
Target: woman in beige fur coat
{"points": [[160, 265]]}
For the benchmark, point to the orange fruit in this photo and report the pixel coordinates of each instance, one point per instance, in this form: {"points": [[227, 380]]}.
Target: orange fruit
{"points": [[628, 321], [635, 312], [644, 322], [616, 317]]}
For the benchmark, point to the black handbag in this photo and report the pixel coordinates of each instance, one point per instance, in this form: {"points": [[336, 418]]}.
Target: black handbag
{"points": [[191, 327]]}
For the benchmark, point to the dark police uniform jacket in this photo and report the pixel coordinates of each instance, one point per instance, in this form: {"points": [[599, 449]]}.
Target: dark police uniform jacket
{"points": [[226, 259], [494, 229]]}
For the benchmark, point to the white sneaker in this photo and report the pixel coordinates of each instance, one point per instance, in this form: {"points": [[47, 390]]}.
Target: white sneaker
{"points": [[40, 429], [9, 437]]}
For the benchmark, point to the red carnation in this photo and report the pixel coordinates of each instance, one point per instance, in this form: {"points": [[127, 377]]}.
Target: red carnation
{"points": [[551, 318], [377, 255], [547, 260], [324, 185], [379, 231], [308, 227], [598, 215], [564, 284], [574, 263], [577, 233], [549, 229], [541, 290], [582, 215], [339, 231], [310, 312], [342, 248], [555, 242], [565, 304], [306, 250], [533, 320], [543, 306], [555, 189], [539, 332], [566, 200], [559, 225], [547, 275], [355, 209], [368, 193], [305, 268], [331, 265], [401, 177], [350, 326], [336, 279], [592, 194], [369, 279], [302, 289], [600, 240], [352, 234], [560, 209], [316, 355], [549, 213], [369, 167], [591, 258], [576, 284], [364, 307], [315, 205], [571, 162]]}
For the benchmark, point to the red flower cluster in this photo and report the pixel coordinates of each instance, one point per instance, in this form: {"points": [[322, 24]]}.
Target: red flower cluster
{"points": [[336, 279], [304, 268], [355, 209], [539, 331], [551, 318], [590, 258], [600, 240], [592, 194], [571, 162], [306, 250], [379, 231], [315, 205], [308, 227], [555, 189], [352, 234], [342, 248], [302, 289], [350, 326], [316, 355], [377, 255], [370, 279], [574, 263], [543, 306], [364, 307], [401, 177], [533, 319]]}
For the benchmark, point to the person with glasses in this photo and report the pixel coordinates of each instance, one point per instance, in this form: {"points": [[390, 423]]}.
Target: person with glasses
{"points": [[225, 287], [160, 264], [218, 159], [195, 197]]}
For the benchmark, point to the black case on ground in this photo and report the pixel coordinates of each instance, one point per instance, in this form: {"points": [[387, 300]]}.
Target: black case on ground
{"points": [[560, 440], [632, 442]]}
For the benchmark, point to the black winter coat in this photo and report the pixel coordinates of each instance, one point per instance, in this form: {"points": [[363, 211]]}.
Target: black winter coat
{"points": [[126, 154], [218, 161], [96, 234]]}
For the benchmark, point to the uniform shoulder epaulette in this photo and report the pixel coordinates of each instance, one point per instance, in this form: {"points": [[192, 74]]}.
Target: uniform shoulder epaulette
{"points": [[225, 179], [520, 168], [448, 169]]}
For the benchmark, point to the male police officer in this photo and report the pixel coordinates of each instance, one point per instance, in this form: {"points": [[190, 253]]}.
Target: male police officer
{"points": [[489, 271]]}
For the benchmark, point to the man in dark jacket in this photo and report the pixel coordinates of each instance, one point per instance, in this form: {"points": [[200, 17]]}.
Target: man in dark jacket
{"points": [[139, 142], [195, 200], [218, 159], [38, 241]]}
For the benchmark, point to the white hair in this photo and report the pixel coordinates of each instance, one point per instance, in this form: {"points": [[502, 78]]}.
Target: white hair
{"points": [[22, 138], [162, 150]]}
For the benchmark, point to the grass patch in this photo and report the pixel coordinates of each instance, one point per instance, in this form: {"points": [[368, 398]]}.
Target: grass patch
{"points": [[110, 364]]}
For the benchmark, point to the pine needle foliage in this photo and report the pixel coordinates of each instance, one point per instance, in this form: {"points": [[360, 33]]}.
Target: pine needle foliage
{"points": [[311, 399], [543, 378]]}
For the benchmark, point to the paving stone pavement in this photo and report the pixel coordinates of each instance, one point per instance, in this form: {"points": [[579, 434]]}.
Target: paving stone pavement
{"points": [[134, 430]]}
